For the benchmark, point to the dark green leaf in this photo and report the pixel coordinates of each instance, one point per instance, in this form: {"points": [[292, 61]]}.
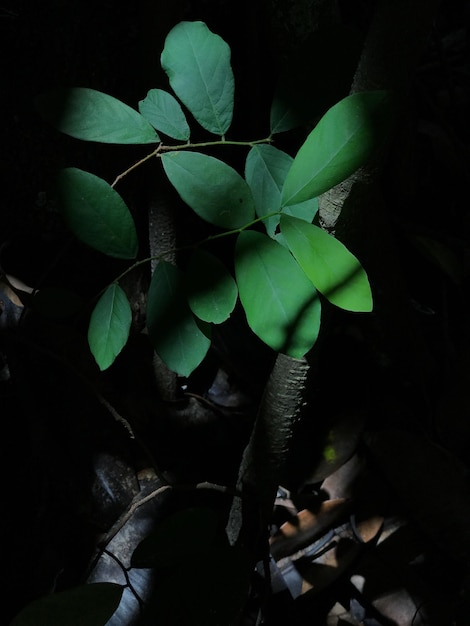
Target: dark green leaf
{"points": [[197, 63], [96, 213], [164, 113], [212, 292], [334, 271], [280, 304], [213, 189], [89, 605], [180, 341], [109, 327], [343, 140], [94, 116]]}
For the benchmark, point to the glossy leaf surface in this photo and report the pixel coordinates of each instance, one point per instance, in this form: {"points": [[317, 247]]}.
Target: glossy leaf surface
{"points": [[197, 63], [109, 326], [334, 271], [213, 189], [343, 140], [96, 213], [94, 116], [211, 290], [280, 304], [164, 112], [179, 340], [88, 605]]}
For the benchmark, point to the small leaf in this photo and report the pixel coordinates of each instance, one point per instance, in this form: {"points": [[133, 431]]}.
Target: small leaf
{"points": [[94, 116], [265, 171], [163, 111], [280, 305], [109, 327], [177, 337], [212, 292], [197, 63], [96, 213], [334, 271], [213, 189], [343, 140], [88, 605]]}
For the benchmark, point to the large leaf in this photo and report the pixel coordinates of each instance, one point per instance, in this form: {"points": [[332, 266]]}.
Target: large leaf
{"points": [[265, 171], [343, 140], [89, 605], [213, 189], [163, 111], [94, 116], [96, 213], [211, 290], [334, 271], [109, 327], [280, 304], [197, 63], [177, 337]]}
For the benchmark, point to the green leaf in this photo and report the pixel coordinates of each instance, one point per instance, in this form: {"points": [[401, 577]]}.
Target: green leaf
{"points": [[265, 171], [280, 305], [94, 116], [180, 341], [343, 140], [109, 327], [213, 189], [334, 271], [96, 213], [163, 111], [212, 292], [197, 63], [88, 605]]}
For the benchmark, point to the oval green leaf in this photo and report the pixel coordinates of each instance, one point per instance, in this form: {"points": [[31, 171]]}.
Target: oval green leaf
{"points": [[265, 172], [163, 111], [94, 116], [109, 326], [96, 213], [197, 63], [211, 290], [179, 340], [213, 189], [88, 605], [343, 140], [334, 271], [280, 305]]}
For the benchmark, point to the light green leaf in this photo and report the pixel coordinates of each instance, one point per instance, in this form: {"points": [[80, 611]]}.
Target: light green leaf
{"points": [[179, 340], [96, 213], [212, 292], [88, 605], [109, 326], [343, 140], [265, 171], [163, 111], [280, 305], [334, 271], [94, 116], [213, 189], [197, 63]]}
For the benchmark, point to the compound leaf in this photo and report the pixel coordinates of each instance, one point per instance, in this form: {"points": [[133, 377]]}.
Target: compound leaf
{"points": [[334, 271], [197, 63], [96, 213], [343, 140], [163, 111], [280, 305], [91, 115], [213, 189], [212, 292], [109, 326], [179, 340]]}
